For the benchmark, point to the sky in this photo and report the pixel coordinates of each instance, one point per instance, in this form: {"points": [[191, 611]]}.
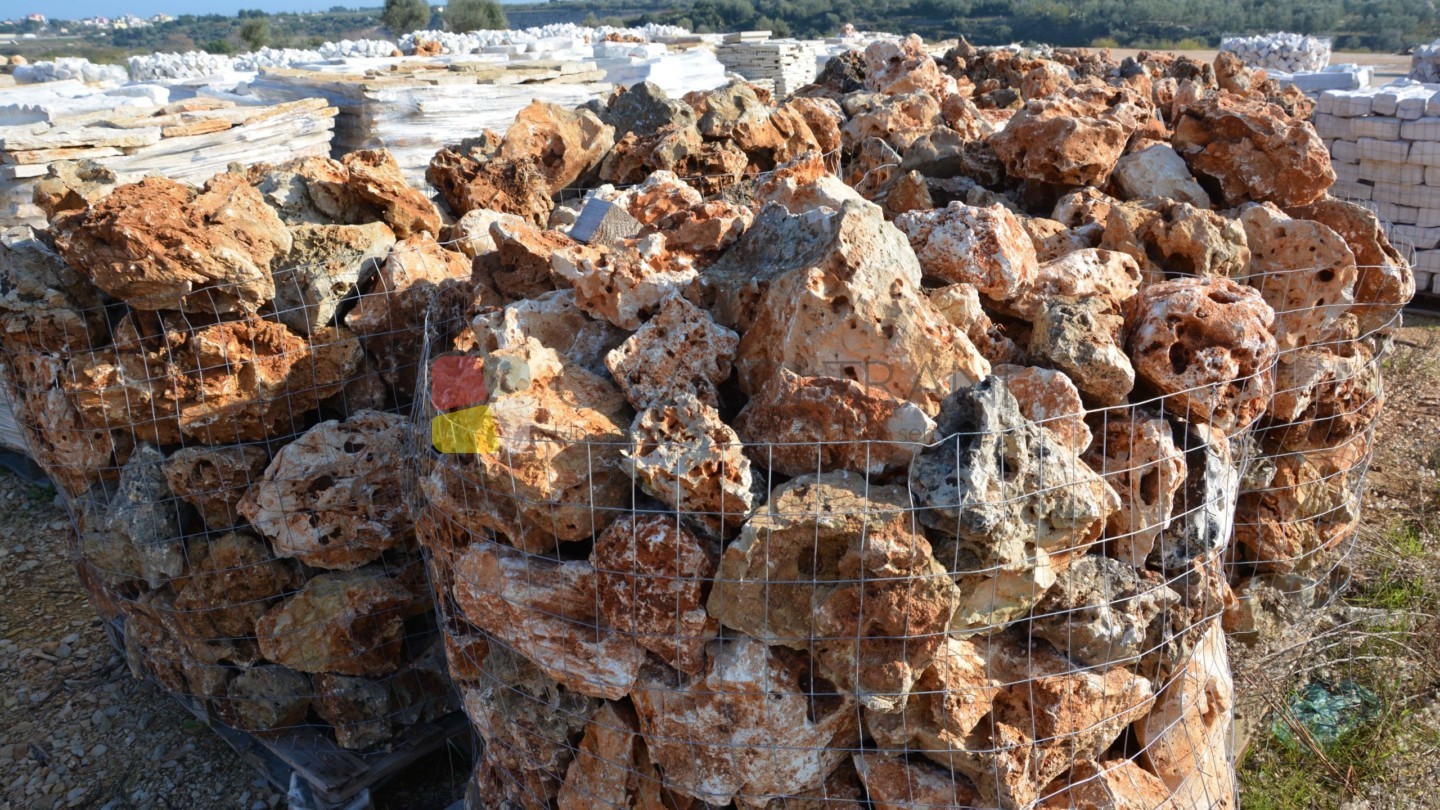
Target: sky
{"points": [[76, 9]]}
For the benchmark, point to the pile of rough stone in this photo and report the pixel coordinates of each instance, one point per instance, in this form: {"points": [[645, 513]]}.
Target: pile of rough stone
{"points": [[911, 486], [211, 378], [1385, 146], [1292, 53], [70, 67], [1425, 63]]}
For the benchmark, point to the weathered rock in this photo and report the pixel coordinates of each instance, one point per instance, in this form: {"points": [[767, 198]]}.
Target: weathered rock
{"points": [[683, 455], [45, 305], [555, 473], [1117, 784], [335, 497], [895, 783], [1081, 337], [604, 772], [706, 229], [72, 452], [70, 187], [651, 579], [1384, 283], [898, 120], [1049, 399], [1102, 611], [837, 295], [375, 179], [1064, 141], [985, 247], [1184, 736], [325, 265], [566, 144], [623, 284], [952, 698], [556, 322], [680, 350], [549, 612], [1136, 453], [342, 622], [233, 579], [834, 566], [1053, 240], [644, 107], [1305, 272], [1206, 345], [152, 652], [1111, 276], [134, 529], [358, 708], [158, 244], [471, 233], [714, 736], [1168, 238], [1158, 172], [266, 699], [1083, 206], [1253, 151], [312, 190], [1311, 504], [1327, 394], [893, 68], [797, 425], [1204, 510], [1011, 504], [518, 187], [720, 110], [214, 479], [959, 304], [796, 127]]}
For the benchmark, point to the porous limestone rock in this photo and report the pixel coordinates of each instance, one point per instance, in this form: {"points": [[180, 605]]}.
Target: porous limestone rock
{"points": [[335, 497], [1305, 271], [1326, 394], [1311, 504], [651, 579], [1010, 503], [343, 622], [214, 479], [680, 350], [833, 565], [836, 294], [548, 612], [375, 178], [233, 579], [952, 698], [72, 452], [985, 247], [1063, 140], [471, 233], [1106, 274], [557, 323], [1204, 510], [623, 284], [133, 529], [1168, 238], [554, 475], [518, 187], [325, 265], [893, 67], [1206, 345], [1053, 240], [1157, 171], [683, 455], [797, 425], [358, 708], [1102, 611], [1081, 337], [266, 699], [159, 244], [959, 304], [1116, 784], [1135, 451], [718, 735], [898, 120], [567, 145], [895, 783], [1384, 283], [1184, 736], [45, 305], [605, 772], [644, 107], [1049, 399], [1251, 150]]}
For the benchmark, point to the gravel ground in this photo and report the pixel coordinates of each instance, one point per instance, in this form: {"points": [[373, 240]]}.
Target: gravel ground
{"points": [[77, 731]]}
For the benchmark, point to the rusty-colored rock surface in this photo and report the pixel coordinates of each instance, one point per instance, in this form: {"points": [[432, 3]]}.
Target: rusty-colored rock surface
{"points": [[566, 144], [214, 479], [45, 304], [1135, 450], [233, 579], [985, 247], [680, 350], [1254, 151], [1384, 283], [1064, 140], [685, 457], [376, 180], [518, 187], [1049, 399], [343, 622], [1305, 271], [1168, 239], [1183, 736]]}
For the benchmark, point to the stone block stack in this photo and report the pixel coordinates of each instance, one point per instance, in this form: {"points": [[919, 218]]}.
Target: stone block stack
{"points": [[781, 65], [913, 486], [1291, 53], [1425, 63], [214, 378], [1385, 146]]}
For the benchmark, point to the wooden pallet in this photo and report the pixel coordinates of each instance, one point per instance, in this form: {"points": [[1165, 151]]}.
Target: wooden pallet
{"points": [[308, 766]]}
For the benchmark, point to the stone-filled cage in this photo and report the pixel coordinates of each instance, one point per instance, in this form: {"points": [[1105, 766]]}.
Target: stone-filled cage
{"points": [[710, 599], [231, 452]]}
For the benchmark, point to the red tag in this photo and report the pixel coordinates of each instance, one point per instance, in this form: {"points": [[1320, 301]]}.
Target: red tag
{"points": [[457, 382]]}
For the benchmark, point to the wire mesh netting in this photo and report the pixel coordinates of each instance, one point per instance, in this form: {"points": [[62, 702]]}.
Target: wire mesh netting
{"points": [[229, 445]]}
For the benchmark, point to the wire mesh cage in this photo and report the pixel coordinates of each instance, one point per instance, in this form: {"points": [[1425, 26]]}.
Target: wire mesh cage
{"points": [[664, 586], [219, 386]]}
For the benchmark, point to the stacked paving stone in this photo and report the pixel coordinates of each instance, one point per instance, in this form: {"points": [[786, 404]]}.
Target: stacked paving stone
{"points": [[1385, 147], [1291, 53], [782, 65]]}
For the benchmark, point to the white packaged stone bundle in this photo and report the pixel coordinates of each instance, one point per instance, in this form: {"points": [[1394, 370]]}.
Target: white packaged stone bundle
{"points": [[214, 379], [70, 68], [1425, 63], [1291, 53]]}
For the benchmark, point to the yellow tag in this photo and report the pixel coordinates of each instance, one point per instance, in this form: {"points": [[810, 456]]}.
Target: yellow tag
{"points": [[471, 430]]}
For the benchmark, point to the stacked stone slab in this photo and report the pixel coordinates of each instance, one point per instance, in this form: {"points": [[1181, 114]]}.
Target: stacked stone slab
{"points": [[783, 65], [195, 373], [1385, 147], [1291, 53], [806, 487]]}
